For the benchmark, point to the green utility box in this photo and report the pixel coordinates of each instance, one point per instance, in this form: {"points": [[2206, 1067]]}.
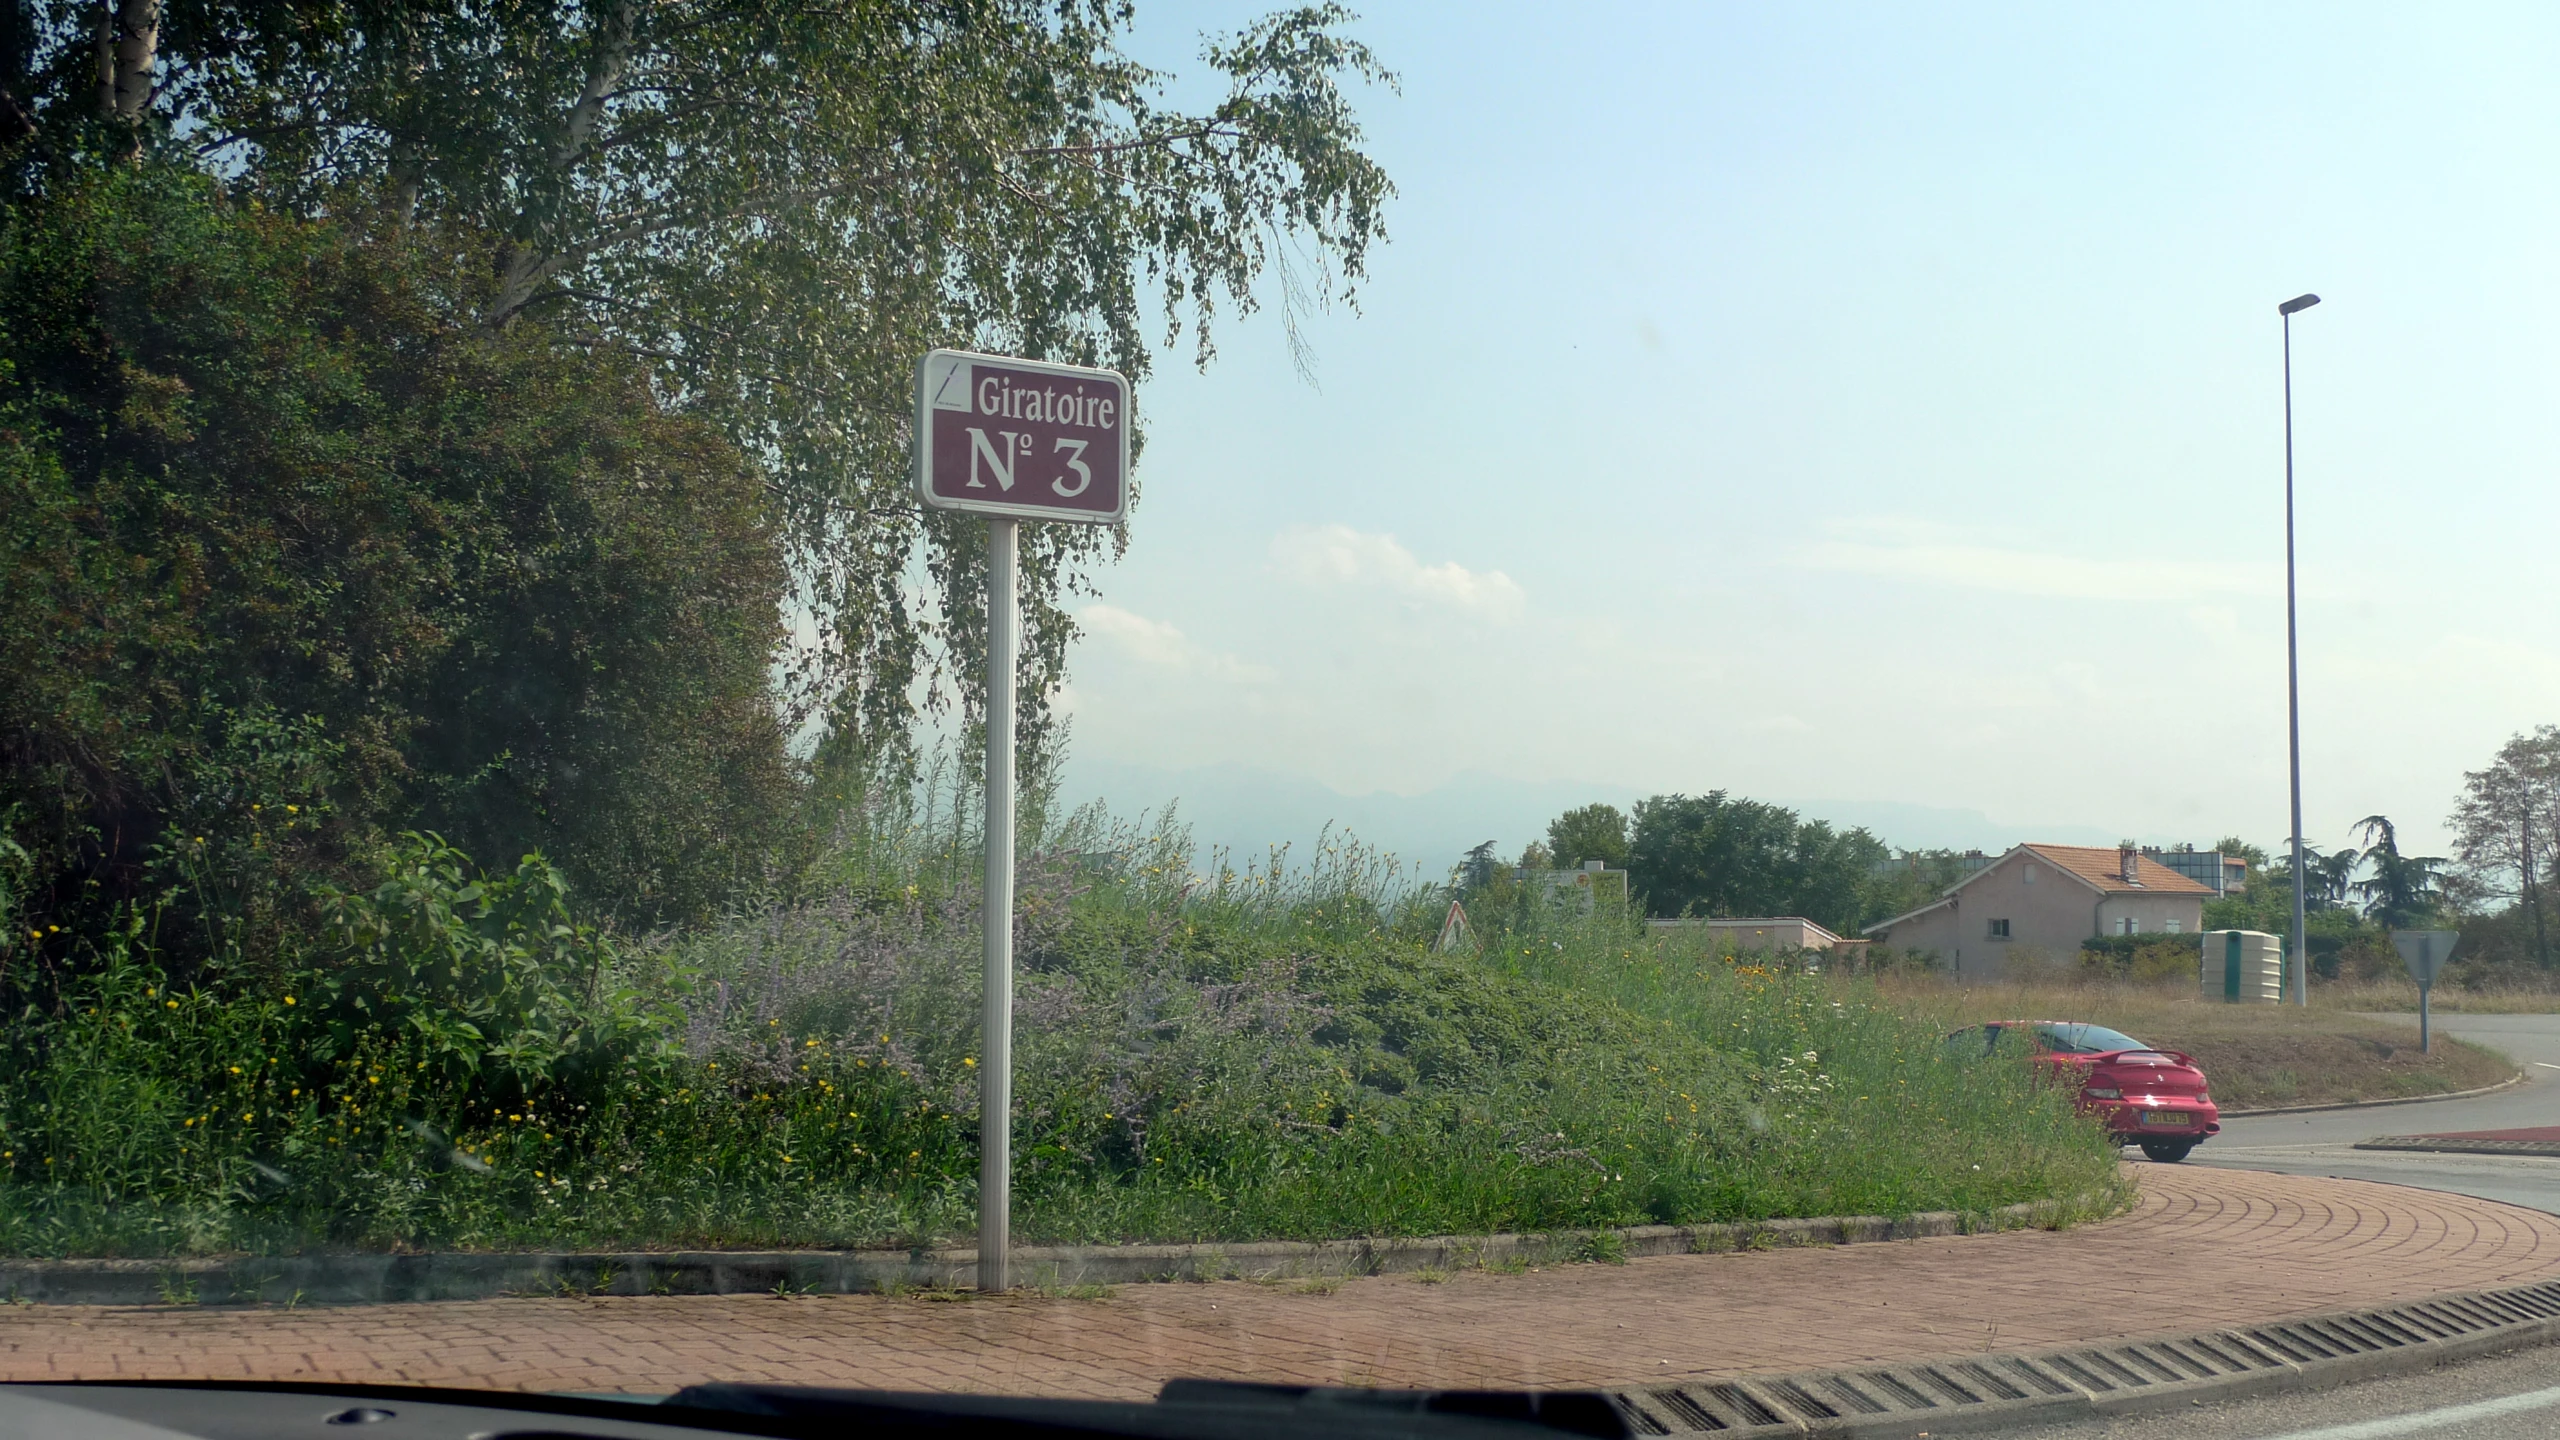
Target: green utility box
{"points": [[2242, 967]]}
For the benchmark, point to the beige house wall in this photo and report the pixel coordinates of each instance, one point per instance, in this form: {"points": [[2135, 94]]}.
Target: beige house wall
{"points": [[1930, 932], [2049, 913], [2152, 914]]}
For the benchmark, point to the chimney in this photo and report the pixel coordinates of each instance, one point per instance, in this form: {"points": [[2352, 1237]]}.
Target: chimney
{"points": [[2128, 864]]}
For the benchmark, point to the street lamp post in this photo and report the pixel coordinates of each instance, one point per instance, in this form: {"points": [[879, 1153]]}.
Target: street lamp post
{"points": [[2293, 662]]}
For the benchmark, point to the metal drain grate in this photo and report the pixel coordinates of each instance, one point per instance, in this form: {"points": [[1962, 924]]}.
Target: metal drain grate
{"points": [[1980, 1391], [1705, 1409]]}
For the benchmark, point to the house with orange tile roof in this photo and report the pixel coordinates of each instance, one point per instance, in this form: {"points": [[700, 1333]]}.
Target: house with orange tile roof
{"points": [[2036, 904]]}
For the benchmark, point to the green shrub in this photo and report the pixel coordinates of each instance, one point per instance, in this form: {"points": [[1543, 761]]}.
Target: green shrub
{"points": [[1232, 1056], [2146, 959], [490, 977], [285, 535]]}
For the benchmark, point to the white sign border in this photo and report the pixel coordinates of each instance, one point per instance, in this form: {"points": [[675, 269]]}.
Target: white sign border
{"points": [[922, 463]]}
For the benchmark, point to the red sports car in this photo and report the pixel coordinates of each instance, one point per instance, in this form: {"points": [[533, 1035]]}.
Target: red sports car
{"points": [[2152, 1098]]}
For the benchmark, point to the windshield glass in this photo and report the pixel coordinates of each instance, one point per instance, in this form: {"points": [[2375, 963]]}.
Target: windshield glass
{"points": [[1974, 1040], [2085, 1039], [1053, 695]]}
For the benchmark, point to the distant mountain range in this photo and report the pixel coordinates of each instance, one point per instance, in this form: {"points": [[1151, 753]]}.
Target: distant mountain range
{"points": [[1247, 809]]}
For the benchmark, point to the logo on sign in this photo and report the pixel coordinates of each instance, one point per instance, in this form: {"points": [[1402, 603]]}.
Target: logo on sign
{"points": [[1004, 436]]}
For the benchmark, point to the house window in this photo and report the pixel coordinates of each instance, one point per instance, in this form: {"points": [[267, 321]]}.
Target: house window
{"points": [[2174, 927], [2125, 926], [1999, 929], [2031, 874]]}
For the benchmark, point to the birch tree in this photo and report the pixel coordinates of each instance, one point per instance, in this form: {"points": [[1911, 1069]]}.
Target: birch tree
{"points": [[2506, 822], [777, 204]]}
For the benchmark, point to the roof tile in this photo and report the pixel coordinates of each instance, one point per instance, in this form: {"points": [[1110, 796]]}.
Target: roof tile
{"points": [[2100, 867]]}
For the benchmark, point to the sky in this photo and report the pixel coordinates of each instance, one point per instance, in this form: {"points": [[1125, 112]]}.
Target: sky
{"points": [[1876, 409]]}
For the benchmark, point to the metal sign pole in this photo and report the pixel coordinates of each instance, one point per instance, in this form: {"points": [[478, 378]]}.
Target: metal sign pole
{"points": [[995, 1063], [1012, 439], [2424, 952]]}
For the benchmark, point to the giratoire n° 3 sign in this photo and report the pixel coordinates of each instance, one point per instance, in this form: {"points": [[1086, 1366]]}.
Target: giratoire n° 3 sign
{"points": [[1012, 440], [1024, 438]]}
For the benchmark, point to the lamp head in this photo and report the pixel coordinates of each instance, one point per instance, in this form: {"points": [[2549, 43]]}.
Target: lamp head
{"points": [[2298, 302]]}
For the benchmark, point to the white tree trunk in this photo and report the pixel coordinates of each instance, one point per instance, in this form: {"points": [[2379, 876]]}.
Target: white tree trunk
{"points": [[135, 61], [533, 261]]}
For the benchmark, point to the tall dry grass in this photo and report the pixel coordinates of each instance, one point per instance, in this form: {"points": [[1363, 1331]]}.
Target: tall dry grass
{"points": [[2254, 1055]]}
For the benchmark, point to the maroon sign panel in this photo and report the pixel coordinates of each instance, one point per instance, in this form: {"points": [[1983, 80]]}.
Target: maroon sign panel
{"points": [[1025, 438]]}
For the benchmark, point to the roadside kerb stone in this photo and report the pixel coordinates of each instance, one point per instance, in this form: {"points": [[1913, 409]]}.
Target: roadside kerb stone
{"points": [[336, 1279], [2457, 1145], [2202, 1251], [2509, 1083]]}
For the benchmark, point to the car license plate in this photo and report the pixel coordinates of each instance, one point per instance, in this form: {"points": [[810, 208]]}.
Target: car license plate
{"points": [[2167, 1117]]}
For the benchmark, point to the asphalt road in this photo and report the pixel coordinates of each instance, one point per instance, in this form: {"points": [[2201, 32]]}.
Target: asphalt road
{"points": [[2321, 1142], [2508, 1397]]}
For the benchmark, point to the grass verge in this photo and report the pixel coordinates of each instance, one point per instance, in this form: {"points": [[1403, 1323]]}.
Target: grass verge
{"points": [[2400, 997], [1271, 1053], [2255, 1056]]}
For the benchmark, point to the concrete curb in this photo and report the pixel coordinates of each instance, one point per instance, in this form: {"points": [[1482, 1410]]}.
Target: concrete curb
{"points": [[2445, 1145], [2509, 1083], [1989, 1392], [402, 1279]]}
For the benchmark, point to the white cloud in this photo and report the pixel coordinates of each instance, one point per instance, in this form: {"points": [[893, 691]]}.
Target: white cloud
{"points": [[1941, 555], [1162, 644], [1153, 641], [1337, 555]]}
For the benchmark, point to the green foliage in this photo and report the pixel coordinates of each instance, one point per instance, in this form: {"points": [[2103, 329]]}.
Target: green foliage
{"points": [[1909, 880], [777, 207], [491, 978], [2399, 891], [2403, 891], [292, 558], [1593, 832], [155, 1120], [2328, 879], [2146, 959], [245, 832], [2234, 846], [17, 869], [1501, 897], [2506, 828], [2267, 906], [1864, 1110], [1241, 1055], [1712, 855], [2504, 948]]}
